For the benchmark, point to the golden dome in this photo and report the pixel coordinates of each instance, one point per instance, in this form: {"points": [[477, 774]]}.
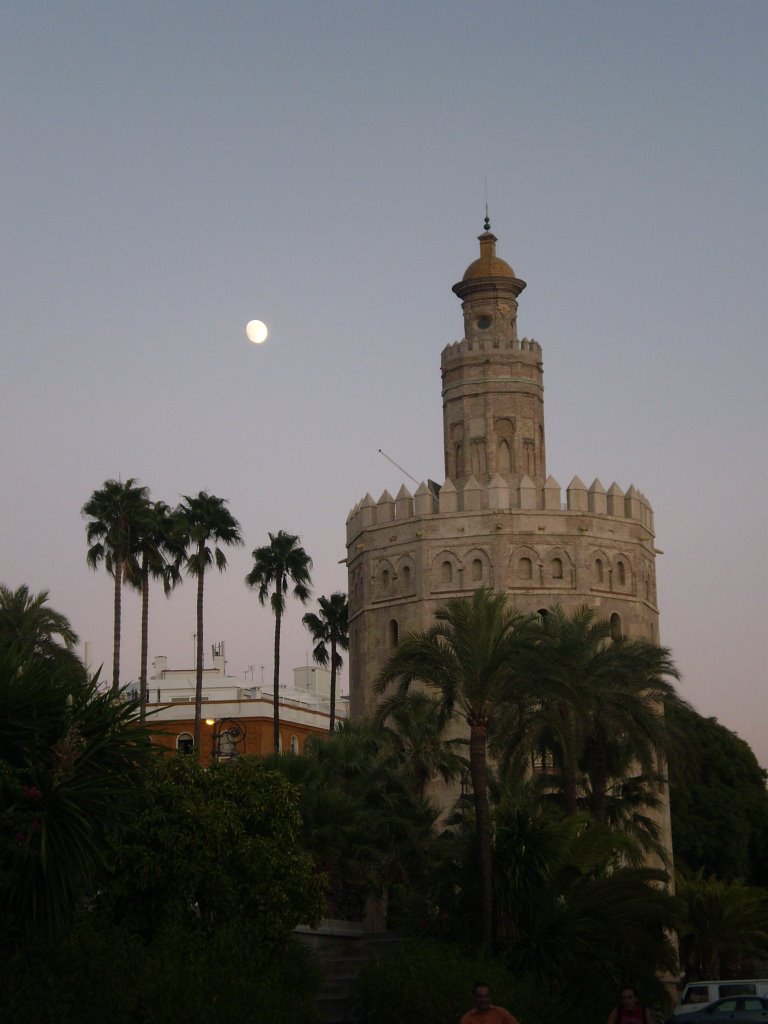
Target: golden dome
{"points": [[488, 264]]}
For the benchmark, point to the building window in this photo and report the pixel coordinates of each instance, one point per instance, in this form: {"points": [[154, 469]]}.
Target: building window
{"points": [[525, 569], [185, 744], [621, 573], [294, 744], [393, 633], [406, 575], [385, 580], [616, 632], [446, 572], [227, 743], [542, 613], [557, 568], [600, 570], [477, 569]]}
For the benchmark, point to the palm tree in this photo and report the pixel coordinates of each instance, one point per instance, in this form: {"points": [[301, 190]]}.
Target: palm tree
{"points": [[29, 626], [361, 819], [471, 657], [159, 550], [571, 894], [70, 752], [418, 726], [720, 920], [203, 523], [277, 564], [115, 512], [330, 629], [595, 693]]}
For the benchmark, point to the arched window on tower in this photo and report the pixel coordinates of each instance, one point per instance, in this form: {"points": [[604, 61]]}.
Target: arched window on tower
{"points": [[503, 458], [406, 576], [557, 568], [599, 570], [525, 569], [621, 573], [393, 633], [385, 579], [616, 632], [446, 572], [542, 613], [477, 570]]}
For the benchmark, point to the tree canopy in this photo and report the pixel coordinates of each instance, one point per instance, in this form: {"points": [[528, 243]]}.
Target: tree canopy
{"points": [[719, 801]]}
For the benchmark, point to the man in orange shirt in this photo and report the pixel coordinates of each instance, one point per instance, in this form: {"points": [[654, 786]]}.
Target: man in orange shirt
{"points": [[484, 1011]]}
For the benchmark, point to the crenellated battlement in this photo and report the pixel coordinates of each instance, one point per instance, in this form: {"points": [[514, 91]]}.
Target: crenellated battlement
{"points": [[457, 349], [498, 496]]}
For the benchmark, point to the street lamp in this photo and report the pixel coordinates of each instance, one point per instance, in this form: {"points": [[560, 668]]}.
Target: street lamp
{"points": [[231, 731]]}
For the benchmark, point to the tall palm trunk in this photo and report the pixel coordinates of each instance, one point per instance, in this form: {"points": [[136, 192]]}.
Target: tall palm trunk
{"points": [[332, 723], [568, 764], [116, 631], [478, 768], [199, 665], [276, 686], [144, 636], [598, 770]]}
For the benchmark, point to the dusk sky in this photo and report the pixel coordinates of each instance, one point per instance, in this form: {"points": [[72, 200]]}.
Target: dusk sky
{"points": [[172, 170]]}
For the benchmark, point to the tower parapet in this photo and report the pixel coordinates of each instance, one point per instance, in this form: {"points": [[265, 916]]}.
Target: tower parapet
{"points": [[497, 496]]}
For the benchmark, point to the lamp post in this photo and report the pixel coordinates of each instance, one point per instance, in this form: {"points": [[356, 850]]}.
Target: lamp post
{"points": [[231, 730]]}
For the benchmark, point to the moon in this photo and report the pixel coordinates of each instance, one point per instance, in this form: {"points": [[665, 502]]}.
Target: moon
{"points": [[256, 331]]}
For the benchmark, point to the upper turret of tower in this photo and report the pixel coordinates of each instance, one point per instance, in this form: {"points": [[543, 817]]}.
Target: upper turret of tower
{"points": [[493, 409], [488, 292]]}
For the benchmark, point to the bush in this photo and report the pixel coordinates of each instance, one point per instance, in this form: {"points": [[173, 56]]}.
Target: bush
{"points": [[102, 972], [427, 982]]}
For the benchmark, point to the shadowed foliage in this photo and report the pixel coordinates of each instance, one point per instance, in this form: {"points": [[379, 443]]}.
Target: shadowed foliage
{"points": [[69, 754]]}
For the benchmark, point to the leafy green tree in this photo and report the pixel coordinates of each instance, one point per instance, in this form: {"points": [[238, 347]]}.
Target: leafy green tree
{"points": [[275, 566], [159, 552], [719, 801], [720, 921], [115, 513], [211, 846], [330, 631], [29, 627], [68, 756], [469, 657], [203, 525]]}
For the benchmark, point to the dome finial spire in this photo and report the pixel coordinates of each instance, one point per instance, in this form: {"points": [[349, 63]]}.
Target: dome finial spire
{"points": [[487, 225]]}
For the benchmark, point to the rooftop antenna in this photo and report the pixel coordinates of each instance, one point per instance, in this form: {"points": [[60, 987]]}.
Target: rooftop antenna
{"points": [[417, 482]]}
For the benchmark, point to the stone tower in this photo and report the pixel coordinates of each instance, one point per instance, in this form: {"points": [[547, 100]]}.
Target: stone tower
{"points": [[498, 520]]}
